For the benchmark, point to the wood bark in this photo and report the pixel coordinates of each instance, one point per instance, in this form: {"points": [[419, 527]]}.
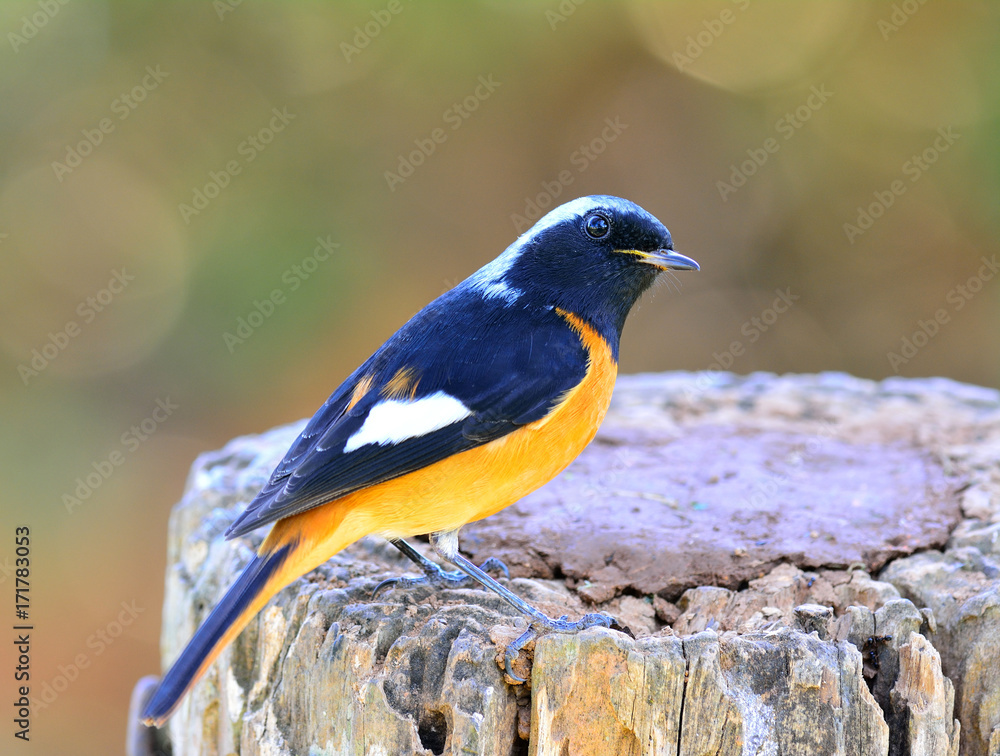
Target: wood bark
{"points": [[796, 656]]}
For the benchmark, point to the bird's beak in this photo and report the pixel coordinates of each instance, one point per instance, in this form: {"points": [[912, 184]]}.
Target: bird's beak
{"points": [[667, 259]]}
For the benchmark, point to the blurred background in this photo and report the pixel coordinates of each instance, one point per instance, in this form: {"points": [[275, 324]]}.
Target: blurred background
{"points": [[211, 212]]}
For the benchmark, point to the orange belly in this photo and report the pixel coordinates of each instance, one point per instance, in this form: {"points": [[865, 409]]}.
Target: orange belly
{"points": [[473, 484]]}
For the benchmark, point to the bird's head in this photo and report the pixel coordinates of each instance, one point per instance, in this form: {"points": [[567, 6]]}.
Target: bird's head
{"points": [[593, 256]]}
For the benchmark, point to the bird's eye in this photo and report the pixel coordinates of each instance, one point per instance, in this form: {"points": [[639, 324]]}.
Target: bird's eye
{"points": [[598, 226]]}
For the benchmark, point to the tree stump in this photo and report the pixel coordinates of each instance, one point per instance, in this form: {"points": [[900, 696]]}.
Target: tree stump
{"points": [[810, 565]]}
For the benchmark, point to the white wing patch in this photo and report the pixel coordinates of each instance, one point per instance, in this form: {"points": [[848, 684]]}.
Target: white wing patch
{"points": [[395, 420]]}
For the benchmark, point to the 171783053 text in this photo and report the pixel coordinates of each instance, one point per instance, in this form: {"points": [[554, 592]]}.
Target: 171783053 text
{"points": [[22, 632]]}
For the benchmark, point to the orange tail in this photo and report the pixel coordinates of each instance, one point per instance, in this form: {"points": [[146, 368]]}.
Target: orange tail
{"points": [[290, 550]]}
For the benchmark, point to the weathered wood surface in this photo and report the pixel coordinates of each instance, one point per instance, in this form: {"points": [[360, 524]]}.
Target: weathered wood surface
{"points": [[801, 652]]}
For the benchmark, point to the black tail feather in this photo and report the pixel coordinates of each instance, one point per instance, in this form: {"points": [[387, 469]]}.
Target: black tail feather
{"points": [[183, 673]]}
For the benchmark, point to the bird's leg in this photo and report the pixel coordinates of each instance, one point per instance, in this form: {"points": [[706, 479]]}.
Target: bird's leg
{"points": [[433, 574], [445, 544]]}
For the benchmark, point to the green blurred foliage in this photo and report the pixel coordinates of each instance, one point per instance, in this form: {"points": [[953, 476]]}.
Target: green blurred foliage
{"points": [[700, 88]]}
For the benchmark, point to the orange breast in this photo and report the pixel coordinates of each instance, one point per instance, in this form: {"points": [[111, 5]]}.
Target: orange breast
{"points": [[476, 483]]}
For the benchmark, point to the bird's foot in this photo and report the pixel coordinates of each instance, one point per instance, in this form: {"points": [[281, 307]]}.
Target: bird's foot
{"points": [[436, 576], [542, 623]]}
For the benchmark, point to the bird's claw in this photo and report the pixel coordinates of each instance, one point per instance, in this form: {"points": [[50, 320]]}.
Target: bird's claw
{"points": [[492, 564], [561, 625], [389, 583], [439, 577], [514, 649]]}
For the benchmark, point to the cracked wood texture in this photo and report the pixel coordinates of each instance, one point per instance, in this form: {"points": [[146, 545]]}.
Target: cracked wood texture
{"points": [[810, 565]]}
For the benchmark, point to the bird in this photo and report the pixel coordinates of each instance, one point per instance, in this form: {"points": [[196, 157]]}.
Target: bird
{"points": [[483, 396]]}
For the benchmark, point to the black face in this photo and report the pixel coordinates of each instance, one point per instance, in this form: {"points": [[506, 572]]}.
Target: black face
{"points": [[595, 256], [625, 230]]}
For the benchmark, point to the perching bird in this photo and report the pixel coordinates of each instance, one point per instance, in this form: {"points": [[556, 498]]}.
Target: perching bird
{"points": [[483, 396]]}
